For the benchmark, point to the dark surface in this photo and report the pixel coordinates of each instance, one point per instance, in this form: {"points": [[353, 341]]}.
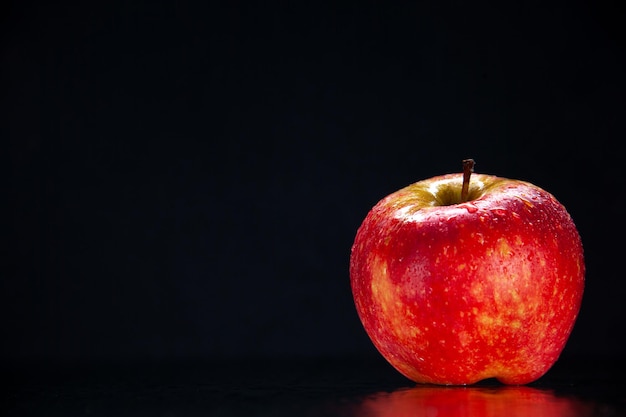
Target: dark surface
{"points": [[324, 387]]}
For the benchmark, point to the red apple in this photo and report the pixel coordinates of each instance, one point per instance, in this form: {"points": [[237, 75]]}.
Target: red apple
{"points": [[459, 279]]}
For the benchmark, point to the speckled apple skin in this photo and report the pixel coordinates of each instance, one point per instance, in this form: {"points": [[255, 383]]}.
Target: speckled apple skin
{"points": [[454, 294]]}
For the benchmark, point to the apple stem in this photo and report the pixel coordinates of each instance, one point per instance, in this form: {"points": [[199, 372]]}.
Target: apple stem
{"points": [[468, 168]]}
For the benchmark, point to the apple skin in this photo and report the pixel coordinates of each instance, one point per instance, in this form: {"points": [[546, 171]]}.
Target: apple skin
{"points": [[455, 292]]}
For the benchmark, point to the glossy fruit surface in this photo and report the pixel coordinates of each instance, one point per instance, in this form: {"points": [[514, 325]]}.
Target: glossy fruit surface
{"points": [[453, 292]]}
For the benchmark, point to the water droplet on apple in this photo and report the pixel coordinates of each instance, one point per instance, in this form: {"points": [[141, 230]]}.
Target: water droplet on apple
{"points": [[499, 211], [471, 208]]}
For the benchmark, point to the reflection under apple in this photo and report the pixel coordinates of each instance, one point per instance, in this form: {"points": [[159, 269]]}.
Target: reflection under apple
{"points": [[437, 401]]}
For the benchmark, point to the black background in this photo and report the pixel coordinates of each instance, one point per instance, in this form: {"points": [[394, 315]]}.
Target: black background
{"points": [[186, 179]]}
